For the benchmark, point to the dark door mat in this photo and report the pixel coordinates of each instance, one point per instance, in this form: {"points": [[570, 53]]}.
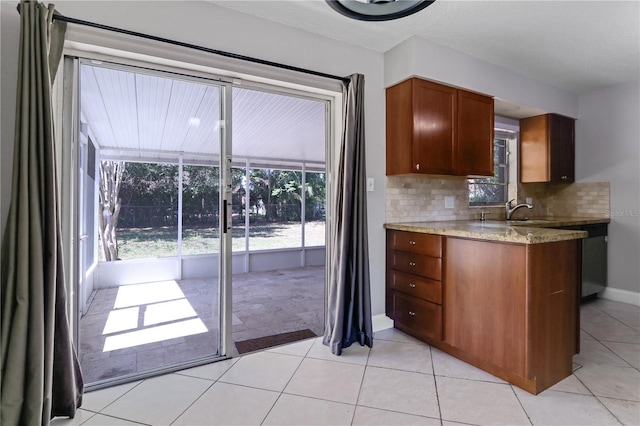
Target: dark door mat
{"points": [[252, 345]]}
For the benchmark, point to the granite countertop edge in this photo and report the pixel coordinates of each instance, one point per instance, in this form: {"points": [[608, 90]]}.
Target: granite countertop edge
{"points": [[528, 232]]}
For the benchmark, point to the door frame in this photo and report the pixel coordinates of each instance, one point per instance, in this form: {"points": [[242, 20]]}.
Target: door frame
{"points": [[68, 122]]}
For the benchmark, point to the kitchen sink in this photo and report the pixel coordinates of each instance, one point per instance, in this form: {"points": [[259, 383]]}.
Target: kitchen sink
{"points": [[541, 223]]}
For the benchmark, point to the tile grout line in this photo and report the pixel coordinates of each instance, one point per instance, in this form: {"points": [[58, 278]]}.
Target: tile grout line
{"points": [[284, 387], [607, 408], [364, 373], [617, 356], [616, 319], [118, 398], [115, 417], [193, 402], [435, 383], [526, 413], [203, 392]]}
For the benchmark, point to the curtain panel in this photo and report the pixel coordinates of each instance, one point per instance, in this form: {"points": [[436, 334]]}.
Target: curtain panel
{"points": [[349, 308], [41, 376]]}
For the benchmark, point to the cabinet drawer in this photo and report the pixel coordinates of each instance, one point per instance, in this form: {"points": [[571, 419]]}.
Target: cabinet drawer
{"points": [[427, 244], [416, 264], [417, 317], [416, 286]]}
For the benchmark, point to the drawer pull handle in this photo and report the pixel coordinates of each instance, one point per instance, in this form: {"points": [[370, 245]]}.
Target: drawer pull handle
{"points": [[413, 243], [412, 285], [413, 314], [412, 263]]}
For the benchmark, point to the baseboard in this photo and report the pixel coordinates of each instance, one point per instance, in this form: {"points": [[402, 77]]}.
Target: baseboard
{"points": [[618, 295], [381, 322]]}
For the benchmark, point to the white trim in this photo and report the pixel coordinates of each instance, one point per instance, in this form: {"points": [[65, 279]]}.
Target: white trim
{"points": [[181, 60], [381, 322], [618, 295]]}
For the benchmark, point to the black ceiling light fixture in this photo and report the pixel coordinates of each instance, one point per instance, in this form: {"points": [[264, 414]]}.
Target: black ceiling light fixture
{"points": [[377, 10]]}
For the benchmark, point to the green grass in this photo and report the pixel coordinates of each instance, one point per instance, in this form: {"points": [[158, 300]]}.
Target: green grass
{"points": [[140, 243]]}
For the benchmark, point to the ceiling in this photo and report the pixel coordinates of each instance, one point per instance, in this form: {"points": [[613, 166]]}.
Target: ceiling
{"points": [[578, 46], [137, 116]]}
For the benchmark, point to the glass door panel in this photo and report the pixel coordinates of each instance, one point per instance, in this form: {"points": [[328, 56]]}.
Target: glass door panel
{"points": [[278, 296], [154, 303]]}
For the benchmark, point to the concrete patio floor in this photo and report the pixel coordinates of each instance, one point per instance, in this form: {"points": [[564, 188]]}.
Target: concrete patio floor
{"points": [[144, 327]]}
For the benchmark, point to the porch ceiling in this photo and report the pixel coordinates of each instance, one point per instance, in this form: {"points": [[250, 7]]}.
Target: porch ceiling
{"points": [[134, 115]]}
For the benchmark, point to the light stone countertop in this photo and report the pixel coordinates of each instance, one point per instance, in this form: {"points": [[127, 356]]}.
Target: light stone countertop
{"points": [[533, 231]]}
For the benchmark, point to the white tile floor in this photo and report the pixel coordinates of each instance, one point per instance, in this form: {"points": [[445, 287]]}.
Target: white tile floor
{"points": [[401, 381]]}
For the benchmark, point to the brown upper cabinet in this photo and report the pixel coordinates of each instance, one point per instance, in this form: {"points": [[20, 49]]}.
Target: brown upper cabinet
{"points": [[437, 129], [547, 149]]}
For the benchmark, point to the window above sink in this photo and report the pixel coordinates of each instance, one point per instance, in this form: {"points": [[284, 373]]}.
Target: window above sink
{"points": [[494, 191]]}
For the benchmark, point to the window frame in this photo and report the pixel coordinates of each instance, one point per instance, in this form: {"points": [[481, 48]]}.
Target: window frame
{"points": [[501, 140]]}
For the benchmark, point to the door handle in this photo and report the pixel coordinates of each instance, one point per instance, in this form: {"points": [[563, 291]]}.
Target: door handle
{"points": [[224, 216]]}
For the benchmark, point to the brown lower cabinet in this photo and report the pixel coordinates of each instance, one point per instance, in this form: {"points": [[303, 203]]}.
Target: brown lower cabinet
{"points": [[509, 309]]}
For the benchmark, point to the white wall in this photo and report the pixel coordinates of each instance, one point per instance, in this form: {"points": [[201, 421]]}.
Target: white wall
{"points": [[608, 149], [419, 57], [219, 28]]}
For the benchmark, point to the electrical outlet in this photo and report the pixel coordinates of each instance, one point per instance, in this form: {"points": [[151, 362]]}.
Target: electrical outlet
{"points": [[529, 200], [370, 185], [448, 201]]}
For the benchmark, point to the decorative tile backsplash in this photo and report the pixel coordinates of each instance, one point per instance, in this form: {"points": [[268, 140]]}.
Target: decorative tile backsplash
{"points": [[416, 198], [589, 199]]}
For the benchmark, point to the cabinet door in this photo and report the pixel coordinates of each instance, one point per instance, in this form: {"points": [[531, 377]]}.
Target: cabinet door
{"points": [[434, 119], [484, 301], [399, 128], [534, 151], [561, 131], [547, 149], [474, 142]]}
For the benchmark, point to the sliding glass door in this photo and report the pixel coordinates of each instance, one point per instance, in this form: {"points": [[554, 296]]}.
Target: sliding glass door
{"points": [[200, 218], [279, 179], [151, 221]]}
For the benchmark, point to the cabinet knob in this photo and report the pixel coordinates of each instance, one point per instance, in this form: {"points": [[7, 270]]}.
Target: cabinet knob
{"points": [[412, 263], [563, 178], [413, 243], [418, 166], [412, 285], [413, 314]]}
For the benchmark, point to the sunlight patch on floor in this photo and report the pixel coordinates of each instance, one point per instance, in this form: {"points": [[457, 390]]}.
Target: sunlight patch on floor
{"points": [[144, 294], [154, 334], [168, 311], [121, 320], [160, 303]]}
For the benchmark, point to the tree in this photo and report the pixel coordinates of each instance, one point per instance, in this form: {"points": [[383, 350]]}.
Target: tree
{"points": [[316, 189], [110, 182], [150, 194], [200, 195], [288, 192]]}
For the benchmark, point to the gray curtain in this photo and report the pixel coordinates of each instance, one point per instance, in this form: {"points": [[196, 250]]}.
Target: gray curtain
{"points": [[41, 377], [349, 310]]}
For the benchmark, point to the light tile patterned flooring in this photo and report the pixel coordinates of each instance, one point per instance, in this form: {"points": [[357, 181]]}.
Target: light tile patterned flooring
{"points": [[264, 304], [401, 381]]}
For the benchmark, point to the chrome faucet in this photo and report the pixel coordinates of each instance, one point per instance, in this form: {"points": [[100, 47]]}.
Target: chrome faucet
{"points": [[510, 210]]}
